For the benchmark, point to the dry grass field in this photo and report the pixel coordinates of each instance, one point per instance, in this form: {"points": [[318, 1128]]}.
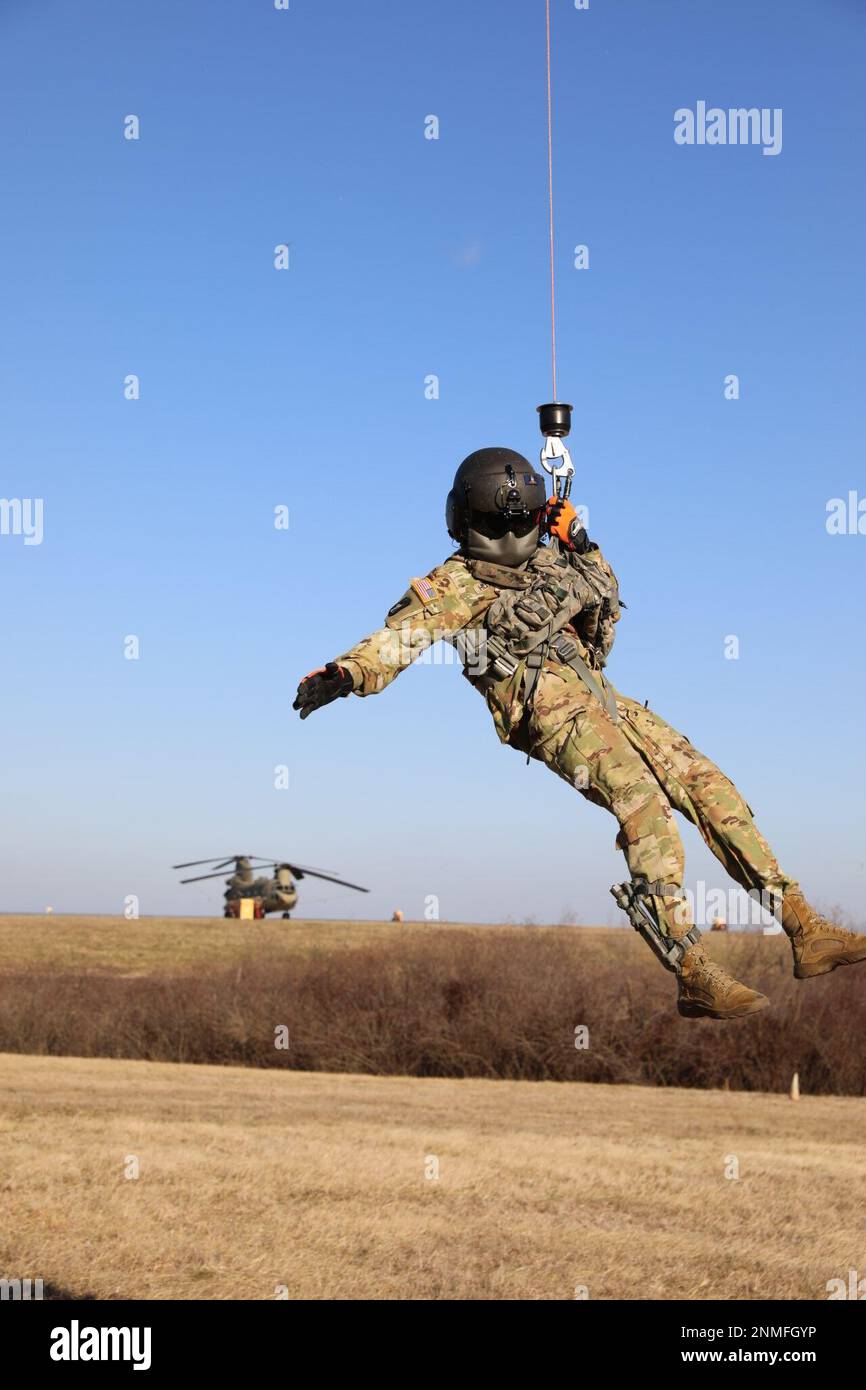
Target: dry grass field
{"points": [[253, 1179], [116, 946]]}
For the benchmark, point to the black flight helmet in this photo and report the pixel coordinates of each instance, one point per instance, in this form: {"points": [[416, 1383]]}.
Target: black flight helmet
{"points": [[495, 508]]}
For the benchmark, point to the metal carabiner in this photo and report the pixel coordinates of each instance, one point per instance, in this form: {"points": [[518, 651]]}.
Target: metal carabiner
{"points": [[556, 460]]}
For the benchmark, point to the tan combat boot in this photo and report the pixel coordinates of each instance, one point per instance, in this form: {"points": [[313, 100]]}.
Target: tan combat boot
{"points": [[818, 945], [660, 914], [706, 990]]}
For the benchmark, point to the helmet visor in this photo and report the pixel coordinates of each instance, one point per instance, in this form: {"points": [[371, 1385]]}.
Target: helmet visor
{"points": [[499, 524]]}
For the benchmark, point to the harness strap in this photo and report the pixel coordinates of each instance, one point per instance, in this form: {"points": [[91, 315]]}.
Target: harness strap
{"points": [[630, 896], [504, 663], [502, 576], [566, 651], [656, 889]]}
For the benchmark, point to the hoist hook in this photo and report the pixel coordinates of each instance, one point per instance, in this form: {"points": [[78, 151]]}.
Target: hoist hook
{"points": [[554, 420]]}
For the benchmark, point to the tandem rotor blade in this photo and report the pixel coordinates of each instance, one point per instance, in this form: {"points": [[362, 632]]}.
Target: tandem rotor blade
{"points": [[191, 863], [198, 877], [344, 883], [301, 867], [297, 869]]}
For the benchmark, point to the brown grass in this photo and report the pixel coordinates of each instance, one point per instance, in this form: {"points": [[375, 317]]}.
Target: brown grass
{"points": [[114, 945], [437, 1001], [253, 1179]]}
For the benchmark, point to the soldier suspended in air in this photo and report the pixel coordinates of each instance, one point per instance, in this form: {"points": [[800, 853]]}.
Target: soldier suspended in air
{"points": [[531, 605]]}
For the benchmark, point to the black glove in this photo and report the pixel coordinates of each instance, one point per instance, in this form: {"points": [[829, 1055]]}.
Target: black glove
{"points": [[321, 687]]}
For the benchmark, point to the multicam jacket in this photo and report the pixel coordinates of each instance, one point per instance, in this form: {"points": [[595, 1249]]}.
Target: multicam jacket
{"points": [[467, 601]]}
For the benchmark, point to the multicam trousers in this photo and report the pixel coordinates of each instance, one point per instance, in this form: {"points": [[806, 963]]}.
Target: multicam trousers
{"points": [[642, 770]]}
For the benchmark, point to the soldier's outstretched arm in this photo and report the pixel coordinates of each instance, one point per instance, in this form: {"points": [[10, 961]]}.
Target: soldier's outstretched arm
{"points": [[320, 687], [440, 605]]}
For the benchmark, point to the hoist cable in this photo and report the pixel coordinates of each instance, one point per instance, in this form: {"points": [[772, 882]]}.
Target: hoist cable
{"points": [[550, 205]]}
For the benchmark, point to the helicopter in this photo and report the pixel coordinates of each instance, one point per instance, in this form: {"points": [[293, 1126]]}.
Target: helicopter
{"points": [[248, 881]]}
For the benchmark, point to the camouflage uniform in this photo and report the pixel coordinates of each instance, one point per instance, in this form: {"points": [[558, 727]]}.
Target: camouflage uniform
{"points": [[636, 765]]}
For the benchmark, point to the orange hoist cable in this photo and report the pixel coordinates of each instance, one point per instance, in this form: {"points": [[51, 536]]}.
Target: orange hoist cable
{"points": [[550, 205]]}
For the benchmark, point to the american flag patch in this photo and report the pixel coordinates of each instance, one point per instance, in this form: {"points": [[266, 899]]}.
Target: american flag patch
{"points": [[424, 589]]}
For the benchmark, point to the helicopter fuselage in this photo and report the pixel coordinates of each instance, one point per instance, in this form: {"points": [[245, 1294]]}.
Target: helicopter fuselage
{"points": [[274, 895]]}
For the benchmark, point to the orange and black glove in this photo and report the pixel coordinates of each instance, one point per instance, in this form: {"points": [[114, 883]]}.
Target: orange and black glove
{"points": [[321, 687], [562, 521]]}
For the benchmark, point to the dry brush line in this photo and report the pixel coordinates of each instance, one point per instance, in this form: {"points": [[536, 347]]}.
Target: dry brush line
{"points": [[501, 1004]]}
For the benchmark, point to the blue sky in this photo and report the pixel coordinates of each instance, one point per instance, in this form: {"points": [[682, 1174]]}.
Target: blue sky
{"points": [[305, 388]]}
